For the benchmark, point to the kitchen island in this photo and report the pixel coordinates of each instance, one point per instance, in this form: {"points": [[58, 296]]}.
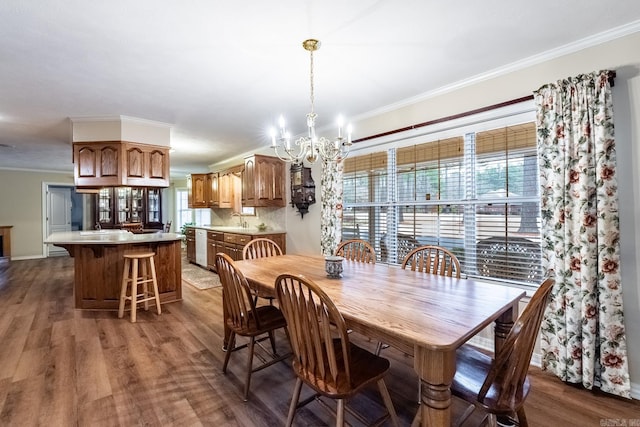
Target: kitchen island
{"points": [[98, 263]]}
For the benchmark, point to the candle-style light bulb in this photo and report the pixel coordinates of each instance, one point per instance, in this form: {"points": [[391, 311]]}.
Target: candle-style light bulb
{"points": [[281, 124], [349, 131], [272, 131], [340, 124]]}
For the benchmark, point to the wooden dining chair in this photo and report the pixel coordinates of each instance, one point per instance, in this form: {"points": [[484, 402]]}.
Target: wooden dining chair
{"points": [[434, 260], [245, 319], [324, 358], [167, 227], [499, 386], [356, 250], [261, 248]]}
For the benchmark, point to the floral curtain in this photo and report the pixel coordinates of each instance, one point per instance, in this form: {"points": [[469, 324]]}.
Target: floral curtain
{"points": [[331, 215], [583, 335]]}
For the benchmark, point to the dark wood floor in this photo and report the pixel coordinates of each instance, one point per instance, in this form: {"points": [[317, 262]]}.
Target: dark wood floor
{"points": [[64, 367]]}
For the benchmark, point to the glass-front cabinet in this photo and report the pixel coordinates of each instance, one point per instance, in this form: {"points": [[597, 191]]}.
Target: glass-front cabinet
{"points": [[121, 205]]}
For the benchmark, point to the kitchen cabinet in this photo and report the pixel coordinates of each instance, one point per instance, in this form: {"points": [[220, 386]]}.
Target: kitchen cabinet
{"points": [[120, 163], [215, 244], [214, 198], [118, 205], [263, 182], [234, 243], [231, 244], [190, 234], [197, 191], [230, 188]]}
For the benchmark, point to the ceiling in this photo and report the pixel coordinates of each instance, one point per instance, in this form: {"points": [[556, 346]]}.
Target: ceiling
{"points": [[221, 72]]}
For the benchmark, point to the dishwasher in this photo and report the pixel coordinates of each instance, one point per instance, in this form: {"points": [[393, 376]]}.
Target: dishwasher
{"points": [[201, 247]]}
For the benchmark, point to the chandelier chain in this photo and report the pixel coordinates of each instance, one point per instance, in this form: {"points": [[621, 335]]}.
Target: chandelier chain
{"points": [[311, 81]]}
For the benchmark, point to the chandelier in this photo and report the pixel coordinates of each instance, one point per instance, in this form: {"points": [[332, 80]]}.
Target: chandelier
{"points": [[310, 147]]}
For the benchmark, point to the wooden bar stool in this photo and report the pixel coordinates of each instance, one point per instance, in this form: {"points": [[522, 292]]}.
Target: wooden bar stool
{"points": [[131, 277]]}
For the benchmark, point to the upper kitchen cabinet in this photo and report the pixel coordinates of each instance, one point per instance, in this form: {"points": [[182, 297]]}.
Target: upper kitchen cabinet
{"points": [[198, 191], [263, 182], [115, 151], [120, 163], [230, 188], [213, 186]]}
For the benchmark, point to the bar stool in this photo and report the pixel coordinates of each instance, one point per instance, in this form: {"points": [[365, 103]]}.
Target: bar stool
{"points": [[130, 277]]}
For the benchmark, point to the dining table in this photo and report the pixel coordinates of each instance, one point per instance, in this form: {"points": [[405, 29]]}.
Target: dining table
{"points": [[426, 315]]}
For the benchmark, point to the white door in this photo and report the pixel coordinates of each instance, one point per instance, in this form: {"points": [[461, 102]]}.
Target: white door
{"points": [[58, 214]]}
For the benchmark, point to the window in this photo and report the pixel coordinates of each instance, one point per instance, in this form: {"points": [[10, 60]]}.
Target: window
{"points": [[183, 212], [475, 194]]}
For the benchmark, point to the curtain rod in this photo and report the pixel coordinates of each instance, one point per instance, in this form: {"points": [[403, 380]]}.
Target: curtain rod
{"points": [[612, 75], [447, 118]]}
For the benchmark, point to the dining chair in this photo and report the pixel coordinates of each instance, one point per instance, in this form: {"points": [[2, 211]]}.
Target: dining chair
{"points": [[324, 358], [260, 248], [499, 386], [356, 250], [167, 227], [432, 259], [245, 319]]}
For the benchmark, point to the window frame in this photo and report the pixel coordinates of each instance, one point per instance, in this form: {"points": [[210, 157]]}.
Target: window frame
{"points": [[503, 117]]}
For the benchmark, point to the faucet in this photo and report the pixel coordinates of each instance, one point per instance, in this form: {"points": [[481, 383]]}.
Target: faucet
{"points": [[241, 222]]}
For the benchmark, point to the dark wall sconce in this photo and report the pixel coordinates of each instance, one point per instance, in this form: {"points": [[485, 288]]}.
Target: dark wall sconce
{"points": [[303, 189]]}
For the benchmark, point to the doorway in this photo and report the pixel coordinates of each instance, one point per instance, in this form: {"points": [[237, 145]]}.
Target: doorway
{"points": [[64, 212]]}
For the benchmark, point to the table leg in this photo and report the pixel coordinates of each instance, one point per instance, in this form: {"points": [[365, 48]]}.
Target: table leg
{"points": [[436, 370], [503, 325]]}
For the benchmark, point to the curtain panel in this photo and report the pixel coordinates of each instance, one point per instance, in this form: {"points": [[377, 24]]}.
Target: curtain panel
{"points": [[331, 214], [583, 334]]}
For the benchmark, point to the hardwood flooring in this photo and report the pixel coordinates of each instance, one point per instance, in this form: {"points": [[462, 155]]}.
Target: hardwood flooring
{"points": [[65, 367]]}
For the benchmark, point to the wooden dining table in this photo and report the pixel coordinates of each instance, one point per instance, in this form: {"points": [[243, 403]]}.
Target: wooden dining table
{"points": [[426, 315]]}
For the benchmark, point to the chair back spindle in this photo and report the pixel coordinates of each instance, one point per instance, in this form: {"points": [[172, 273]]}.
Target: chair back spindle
{"points": [[356, 250]]}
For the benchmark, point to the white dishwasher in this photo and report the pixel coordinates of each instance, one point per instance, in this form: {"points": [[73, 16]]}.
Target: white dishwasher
{"points": [[201, 247]]}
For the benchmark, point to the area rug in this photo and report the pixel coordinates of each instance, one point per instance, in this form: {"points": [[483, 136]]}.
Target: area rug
{"points": [[198, 277]]}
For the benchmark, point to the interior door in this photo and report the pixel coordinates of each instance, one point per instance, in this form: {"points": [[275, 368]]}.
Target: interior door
{"points": [[58, 214]]}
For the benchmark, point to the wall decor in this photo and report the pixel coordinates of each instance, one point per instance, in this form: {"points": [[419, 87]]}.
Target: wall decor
{"points": [[303, 189]]}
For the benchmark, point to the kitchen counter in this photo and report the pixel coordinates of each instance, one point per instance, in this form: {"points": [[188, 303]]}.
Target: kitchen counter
{"points": [[98, 264], [253, 231], [116, 237]]}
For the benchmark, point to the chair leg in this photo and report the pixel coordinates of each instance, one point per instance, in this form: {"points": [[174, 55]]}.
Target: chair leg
{"points": [[145, 287], [134, 290], [294, 402], [522, 418], [492, 420], [230, 345], [252, 343], [123, 287], [386, 398], [340, 413], [272, 339], [154, 279]]}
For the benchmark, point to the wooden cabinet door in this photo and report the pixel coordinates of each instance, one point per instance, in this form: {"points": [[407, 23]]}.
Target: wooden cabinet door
{"points": [[263, 182], [225, 191], [214, 197], [197, 191], [191, 244], [146, 165], [97, 164]]}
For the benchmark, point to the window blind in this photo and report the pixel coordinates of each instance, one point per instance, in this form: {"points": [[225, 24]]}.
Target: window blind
{"points": [[475, 194]]}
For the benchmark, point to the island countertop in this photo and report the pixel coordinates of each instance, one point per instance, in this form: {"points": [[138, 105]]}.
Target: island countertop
{"points": [[117, 237]]}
